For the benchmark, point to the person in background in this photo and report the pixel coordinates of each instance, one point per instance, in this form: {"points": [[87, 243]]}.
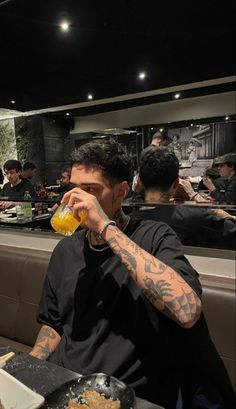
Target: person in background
{"points": [[205, 383], [65, 184], [159, 175], [158, 139], [116, 289], [212, 172], [227, 169], [15, 187], [28, 171]]}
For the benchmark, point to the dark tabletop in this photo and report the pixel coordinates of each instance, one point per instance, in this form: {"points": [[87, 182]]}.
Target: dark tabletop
{"points": [[44, 377]]}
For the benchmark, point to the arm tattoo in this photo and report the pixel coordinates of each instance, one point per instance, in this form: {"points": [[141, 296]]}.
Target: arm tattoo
{"points": [[128, 259], [156, 291], [44, 345], [161, 285]]}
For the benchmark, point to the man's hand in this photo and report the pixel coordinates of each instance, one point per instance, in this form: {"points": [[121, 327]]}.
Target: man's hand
{"points": [[208, 183], [78, 200], [46, 343], [6, 205]]}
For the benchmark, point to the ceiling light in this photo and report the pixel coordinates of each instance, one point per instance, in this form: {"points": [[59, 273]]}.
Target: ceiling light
{"points": [[227, 117], [161, 130], [64, 26], [151, 129], [177, 96], [67, 114], [90, 96], [191, 124], [12, 101], [142, 75]]}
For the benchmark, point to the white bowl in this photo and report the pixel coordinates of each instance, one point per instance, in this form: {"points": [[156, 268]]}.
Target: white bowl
{"points": [[14, 394]]}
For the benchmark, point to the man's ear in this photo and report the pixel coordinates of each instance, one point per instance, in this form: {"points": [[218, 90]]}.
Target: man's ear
{"points": [[122, 191], [174, 186]]}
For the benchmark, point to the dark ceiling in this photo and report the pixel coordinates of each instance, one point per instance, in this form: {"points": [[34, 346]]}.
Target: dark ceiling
{"points": [[107, 45]]}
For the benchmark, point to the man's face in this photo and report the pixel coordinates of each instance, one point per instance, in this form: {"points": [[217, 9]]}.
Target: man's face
{"points": [[65, 179], [13, 176], [29, 173], [91, 180], [225, 170]]}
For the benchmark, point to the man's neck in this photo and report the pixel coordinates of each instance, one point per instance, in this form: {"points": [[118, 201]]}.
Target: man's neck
{"points": [[156, 196], [121, 220]]}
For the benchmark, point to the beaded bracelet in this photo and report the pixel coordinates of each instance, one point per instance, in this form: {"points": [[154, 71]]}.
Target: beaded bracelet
{"points": [[109, 223]]}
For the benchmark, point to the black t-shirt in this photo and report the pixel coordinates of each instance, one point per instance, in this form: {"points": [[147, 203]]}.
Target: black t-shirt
{"points": [[17, 192], [229, 196], [106, 324], [194, 225]]}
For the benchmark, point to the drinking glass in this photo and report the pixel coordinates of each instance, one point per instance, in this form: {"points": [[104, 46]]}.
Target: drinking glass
{"points": [[20, 211], [64, 222]]}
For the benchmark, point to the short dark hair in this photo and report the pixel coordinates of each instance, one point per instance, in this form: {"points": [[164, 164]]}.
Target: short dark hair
{"points": [[159, 168], [109, 156], [28, 165], [66, 170], [1, 176], [159, 135], [12, 164]]}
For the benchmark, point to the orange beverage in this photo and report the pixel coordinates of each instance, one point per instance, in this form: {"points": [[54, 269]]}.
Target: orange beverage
{"points": [[64, 222]]}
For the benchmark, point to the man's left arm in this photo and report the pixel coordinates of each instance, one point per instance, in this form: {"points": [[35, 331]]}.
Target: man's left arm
{"points": [[162, 285]]}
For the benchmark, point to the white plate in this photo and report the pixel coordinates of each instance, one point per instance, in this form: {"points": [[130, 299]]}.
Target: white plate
{"points": [[14, 394], [4, 215]]}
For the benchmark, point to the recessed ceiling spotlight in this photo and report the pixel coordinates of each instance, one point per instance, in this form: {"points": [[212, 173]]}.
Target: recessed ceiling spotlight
{"points": [[64, 26], [161, 129], [12, 101], [191, 124], [151, 129], [227, 117], [67, 114], [90, 96], [177, 95], [142, 75]]}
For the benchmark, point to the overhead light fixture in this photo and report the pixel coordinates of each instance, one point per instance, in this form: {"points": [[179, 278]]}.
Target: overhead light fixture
{"points": [[64, 26], [151, 129], [90, 96], [191, 124], [142, 75], [227, 117], [177, 95], [161, 130], [67, 114], [12, 101]]}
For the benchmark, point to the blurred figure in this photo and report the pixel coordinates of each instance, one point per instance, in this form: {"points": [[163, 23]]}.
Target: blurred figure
{"points": [[213, 174], [64, 180], [175, 147], [195, 226], [158, 139], [192, 151], [65, 186], [28, 171], [227, 170], [16, 187]]}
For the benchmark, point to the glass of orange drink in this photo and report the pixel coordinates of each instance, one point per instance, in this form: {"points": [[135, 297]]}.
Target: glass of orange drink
{"points": [[64, 222]]}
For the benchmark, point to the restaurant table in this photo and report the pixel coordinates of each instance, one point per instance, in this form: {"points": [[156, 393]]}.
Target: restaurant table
{"points": [[45, 377]]}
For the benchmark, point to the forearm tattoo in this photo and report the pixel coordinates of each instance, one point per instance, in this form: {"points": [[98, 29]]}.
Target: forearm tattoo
{"points": [[160, 284], [46, 343]]}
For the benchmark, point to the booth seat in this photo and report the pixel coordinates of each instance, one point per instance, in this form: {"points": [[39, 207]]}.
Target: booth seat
{"points": [[21, 278]]}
